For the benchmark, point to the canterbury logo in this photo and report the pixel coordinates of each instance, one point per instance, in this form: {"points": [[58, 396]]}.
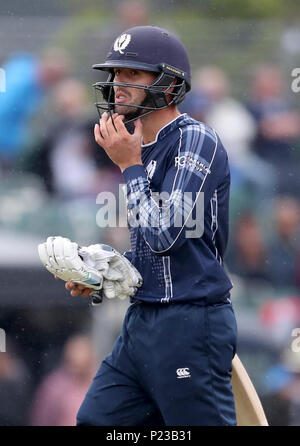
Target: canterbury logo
{"points": [[183, 373], [122, 42]]}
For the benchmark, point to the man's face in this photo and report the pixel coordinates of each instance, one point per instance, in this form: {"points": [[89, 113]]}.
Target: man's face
{"points": [[130, 95]]}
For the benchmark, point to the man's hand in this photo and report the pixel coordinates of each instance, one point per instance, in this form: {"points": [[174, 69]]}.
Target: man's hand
{"points": [[123, 148], [110, 289], [77, 289]]}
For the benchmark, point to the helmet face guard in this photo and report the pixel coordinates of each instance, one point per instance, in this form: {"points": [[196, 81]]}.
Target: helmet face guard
{"points": [[166, 90], [146, 48]]}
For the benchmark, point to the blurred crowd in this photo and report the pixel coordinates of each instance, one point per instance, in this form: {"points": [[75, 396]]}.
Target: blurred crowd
{"points": [[262, 138], [54, 400], [47, 147]]}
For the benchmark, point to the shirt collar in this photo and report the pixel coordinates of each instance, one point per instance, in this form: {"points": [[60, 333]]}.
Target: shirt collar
{"points": [[165, 130]]}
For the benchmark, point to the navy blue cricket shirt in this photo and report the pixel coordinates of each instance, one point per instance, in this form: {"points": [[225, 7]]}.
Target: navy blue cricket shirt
{"points": [[178, 205]]}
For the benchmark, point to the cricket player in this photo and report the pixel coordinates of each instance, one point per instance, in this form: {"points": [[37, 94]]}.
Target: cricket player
{"points": [[171, 365]]}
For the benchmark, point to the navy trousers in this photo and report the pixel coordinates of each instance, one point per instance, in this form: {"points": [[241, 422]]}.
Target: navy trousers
{"points": [[170, 366]]}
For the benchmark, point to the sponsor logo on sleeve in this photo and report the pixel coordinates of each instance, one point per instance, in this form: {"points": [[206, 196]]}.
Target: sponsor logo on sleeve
{"points": [[188, 161]]}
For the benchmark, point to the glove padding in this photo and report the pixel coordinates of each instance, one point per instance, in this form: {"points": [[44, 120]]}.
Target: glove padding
{"points": [[121, 279], [99, 267], [62, 258]]}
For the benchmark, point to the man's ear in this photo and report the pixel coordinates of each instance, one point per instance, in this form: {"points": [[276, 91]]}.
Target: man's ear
{"points": [[171, 90]]}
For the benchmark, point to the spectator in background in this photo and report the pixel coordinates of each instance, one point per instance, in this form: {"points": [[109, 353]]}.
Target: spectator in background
{"points": [[132, 13], [290, 44], [127, 14], [235, 125], [228, 116], [284, 250], [291, 390], [14, 389], [60, 394], [282, 382], [28, 78], [196, 104], [67, 158], [278, 126], [247, 253], [279, 316]]}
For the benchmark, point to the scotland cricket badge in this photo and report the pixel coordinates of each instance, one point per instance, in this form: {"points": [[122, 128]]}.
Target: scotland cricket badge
{"points": [[122, 42], [151, 169]]}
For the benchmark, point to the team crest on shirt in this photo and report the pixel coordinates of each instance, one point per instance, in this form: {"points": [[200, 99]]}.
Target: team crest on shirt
{"points": [[122, 42], [151, 169]]}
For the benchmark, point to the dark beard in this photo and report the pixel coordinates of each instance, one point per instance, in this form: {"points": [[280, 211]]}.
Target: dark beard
{"points": [[129, 116], [135, 113]]}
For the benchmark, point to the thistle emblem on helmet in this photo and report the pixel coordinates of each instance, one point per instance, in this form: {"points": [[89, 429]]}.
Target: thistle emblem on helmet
{"points": [[122, 42]]}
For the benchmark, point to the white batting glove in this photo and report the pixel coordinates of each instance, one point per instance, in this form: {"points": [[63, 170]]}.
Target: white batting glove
{"points": [[122, 279], [62, 258], [99, 267]]}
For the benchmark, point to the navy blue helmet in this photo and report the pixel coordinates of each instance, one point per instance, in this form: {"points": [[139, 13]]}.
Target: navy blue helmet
{"points": [[147, 48]]}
